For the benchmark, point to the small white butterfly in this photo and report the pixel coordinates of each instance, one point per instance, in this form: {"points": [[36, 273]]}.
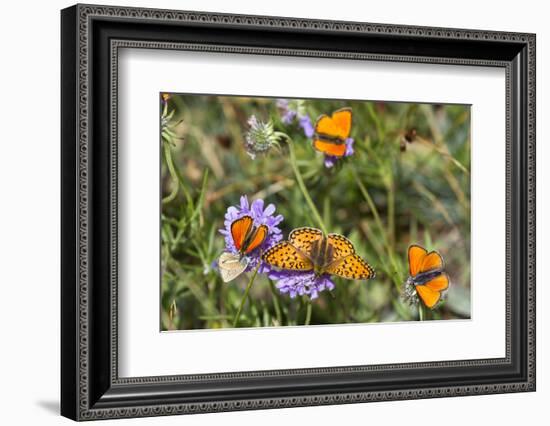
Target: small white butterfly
{"points": [[231, 266]]}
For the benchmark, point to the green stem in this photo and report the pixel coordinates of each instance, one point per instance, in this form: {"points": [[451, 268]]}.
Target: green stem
{"points": [[370, 202], [276, 303], [374, 117], [245, 295], [308, 313], [391, 214], [302, 185], [377, 220], [173, 174], [421, 312]]}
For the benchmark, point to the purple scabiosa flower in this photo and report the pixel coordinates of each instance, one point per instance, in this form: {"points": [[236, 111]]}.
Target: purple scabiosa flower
{"points": [[260, 137], [299, 283], [307, 126], [295, 109], [287, 114], [261, 216], [330, 161]]}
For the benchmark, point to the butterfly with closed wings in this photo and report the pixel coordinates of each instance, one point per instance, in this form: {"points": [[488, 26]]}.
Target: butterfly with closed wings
{"points": [[308, 249], [247, 237]]}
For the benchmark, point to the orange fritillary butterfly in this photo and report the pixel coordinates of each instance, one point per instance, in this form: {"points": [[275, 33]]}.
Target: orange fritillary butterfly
{"points": [[307, 249]]}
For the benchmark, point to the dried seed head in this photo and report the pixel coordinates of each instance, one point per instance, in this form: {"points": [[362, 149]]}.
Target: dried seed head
{"points": [[409, 294], [260, 137]]}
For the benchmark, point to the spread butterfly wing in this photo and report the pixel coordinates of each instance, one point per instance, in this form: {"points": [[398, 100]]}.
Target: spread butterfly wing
{"points": [[416, 258], [352, 267], [338, 126], [433, 260], [429, 296], [431, 292], [330, 148], [240, 229], [422, 261], [342, 121], [439, 283], [303, 238], [341, 246], [343, 263], [325, 126], [285, 256]]}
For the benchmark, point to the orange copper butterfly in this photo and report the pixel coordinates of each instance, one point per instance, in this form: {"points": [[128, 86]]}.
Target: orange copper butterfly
{"points": [[426, 273], [307, 249], [331, 132], [246, 238]]}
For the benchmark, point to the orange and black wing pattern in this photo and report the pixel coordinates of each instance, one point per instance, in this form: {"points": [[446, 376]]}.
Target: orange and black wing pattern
{"points": [[304, 238], [341, 246], [346, 263], [331, 132], [352, 267], [420, 262], [430, 292], [330, 148], [256, 239], [285, 256], [240, 228]]}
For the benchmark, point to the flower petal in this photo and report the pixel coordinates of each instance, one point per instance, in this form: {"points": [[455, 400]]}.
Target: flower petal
{"points": [[307, 127], [269, 210], [301, 283], [244, 203], [258, 208]]}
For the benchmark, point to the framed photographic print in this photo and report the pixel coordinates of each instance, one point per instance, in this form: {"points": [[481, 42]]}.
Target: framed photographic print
{"points": [[263, 212]]}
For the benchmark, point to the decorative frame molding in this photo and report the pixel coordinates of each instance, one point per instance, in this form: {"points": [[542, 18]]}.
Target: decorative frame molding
{"points": [[91, 37]]}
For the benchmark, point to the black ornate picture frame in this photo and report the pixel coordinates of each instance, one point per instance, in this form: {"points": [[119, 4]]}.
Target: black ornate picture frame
{"points": [[91, 387]]}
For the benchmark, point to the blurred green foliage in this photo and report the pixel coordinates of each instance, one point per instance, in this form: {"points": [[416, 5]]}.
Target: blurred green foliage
{"points": [[407, 182]]}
